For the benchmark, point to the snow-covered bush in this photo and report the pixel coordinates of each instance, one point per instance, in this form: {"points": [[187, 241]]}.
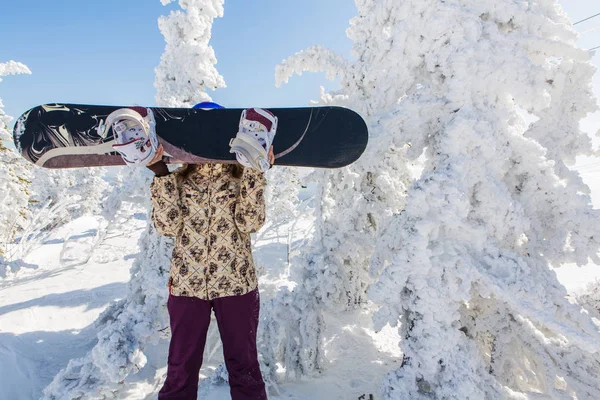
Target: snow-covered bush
{"points": [[90, 184], [83, 189], [282, 193], [291, 327], [56, 197]]}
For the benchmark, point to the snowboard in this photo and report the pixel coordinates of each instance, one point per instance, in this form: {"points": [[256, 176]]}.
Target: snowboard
{"points": [[70, 135]]}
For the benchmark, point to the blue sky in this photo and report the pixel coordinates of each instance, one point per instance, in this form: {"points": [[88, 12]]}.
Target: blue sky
{"points": [[105, 52]]}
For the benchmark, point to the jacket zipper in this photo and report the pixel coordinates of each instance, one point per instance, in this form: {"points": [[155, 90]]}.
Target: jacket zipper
{"points": [[210, 183]]}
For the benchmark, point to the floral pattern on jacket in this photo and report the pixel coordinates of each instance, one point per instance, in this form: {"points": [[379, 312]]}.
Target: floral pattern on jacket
{"points": [[211, 214]]}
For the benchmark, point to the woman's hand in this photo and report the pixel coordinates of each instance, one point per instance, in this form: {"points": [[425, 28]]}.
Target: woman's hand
{"points": [[157, 165], [158, 156], [271, 156]]}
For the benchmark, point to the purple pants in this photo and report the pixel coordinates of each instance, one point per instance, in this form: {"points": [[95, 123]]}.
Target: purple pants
{"points": [[237, 318]]}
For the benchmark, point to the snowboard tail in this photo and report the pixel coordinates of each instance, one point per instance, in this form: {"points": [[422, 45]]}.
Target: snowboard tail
{"points": [[70, 135]]}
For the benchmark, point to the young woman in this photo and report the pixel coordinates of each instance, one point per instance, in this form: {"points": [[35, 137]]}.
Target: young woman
{"points": [[211, 209]]}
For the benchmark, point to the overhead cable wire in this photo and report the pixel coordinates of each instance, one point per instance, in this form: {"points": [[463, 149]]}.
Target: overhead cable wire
{"points": [[586, 19]]}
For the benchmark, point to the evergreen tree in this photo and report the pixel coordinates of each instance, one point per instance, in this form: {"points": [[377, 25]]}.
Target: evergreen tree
{"points": [[465, 267]]}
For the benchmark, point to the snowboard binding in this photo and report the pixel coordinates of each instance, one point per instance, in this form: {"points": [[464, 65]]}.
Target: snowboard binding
{"points": [[134, 134], [257, 129]]}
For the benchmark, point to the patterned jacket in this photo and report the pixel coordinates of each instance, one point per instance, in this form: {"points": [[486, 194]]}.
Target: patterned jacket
{"points": [[211, 214]]}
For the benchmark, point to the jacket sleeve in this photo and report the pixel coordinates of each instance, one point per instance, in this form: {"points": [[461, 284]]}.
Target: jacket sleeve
{"points": [[166, 213], [250, 204]]}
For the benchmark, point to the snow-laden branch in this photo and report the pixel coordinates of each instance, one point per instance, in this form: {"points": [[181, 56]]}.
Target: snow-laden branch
{"points": [[313, 59], [13, 68]]}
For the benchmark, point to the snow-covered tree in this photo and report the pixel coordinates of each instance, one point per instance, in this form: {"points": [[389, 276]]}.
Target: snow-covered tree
{"points": [[57, 197], [469, 257], [89, 183], [465, 267], [353, 206], [127, 327], [15, 176], [186, 67], [282, 193]]}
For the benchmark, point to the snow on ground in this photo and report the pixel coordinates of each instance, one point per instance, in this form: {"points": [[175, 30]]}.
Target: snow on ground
{"points": [[358, 359], [48, 308]]}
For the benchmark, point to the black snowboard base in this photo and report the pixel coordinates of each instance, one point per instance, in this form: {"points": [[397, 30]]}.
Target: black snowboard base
{"points": [[68, 135]]}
